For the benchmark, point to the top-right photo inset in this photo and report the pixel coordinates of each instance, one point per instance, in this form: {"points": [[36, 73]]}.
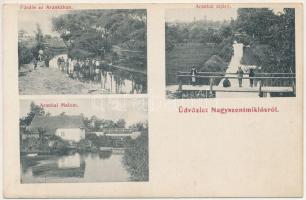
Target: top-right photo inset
{"points": [[233, 53]]}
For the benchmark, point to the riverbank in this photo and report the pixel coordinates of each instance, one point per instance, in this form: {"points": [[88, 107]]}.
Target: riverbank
{"points": [[52, 81]]}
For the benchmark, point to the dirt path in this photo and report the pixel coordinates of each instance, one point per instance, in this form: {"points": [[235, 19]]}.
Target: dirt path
{"points": [[52, 81]]}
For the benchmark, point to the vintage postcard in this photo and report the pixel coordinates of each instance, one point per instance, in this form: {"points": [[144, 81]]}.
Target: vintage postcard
{"points": [[82, 51], [130, 100], [244, 52], [80, 140]]}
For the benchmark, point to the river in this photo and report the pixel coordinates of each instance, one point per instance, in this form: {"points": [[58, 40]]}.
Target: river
{"points": [[114, 82], [88, 167]]}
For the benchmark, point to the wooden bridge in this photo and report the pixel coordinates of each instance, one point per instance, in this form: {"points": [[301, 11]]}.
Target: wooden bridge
{"points": [[208, 83]]}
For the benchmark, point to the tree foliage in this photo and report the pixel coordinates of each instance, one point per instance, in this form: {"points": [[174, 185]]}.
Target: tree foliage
{"points": [[34, 110], [96, 124], [39, 41], [198, 31], [25, 54], [96, 31], [136, 157], [272, 37]]}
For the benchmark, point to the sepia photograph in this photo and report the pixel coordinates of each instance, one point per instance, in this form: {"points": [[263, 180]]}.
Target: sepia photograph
{"points": [[85, 140], [233, 53], [82, 117], [82, 51]]}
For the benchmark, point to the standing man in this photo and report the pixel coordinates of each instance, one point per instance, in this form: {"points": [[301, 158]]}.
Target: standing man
{"points": [[76, 70], [67, 66], [35, 63], [87, 69], [70, 67], [47, 57], [251, 76], [59, 63], [240, 76], [92, 69], [47, 60], [97, 71], [103, 73], [62, 63], [40, 55], [256, 75], [193, 74]]}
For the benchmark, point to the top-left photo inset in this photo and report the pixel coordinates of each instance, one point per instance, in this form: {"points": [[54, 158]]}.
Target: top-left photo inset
{"points": [[82, 52]]}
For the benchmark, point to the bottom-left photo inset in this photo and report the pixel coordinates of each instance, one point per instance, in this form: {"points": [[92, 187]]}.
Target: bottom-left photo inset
{"points": [[83, 140]]}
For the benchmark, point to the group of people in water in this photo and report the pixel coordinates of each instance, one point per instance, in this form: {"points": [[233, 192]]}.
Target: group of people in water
{"points": [[226, 81], [83, 69]]}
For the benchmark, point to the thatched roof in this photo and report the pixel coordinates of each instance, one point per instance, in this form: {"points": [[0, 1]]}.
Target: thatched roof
{"points": [[50, 123]]}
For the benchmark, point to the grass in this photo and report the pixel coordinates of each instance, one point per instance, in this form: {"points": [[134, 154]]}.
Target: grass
{"points": [[183, 57]]}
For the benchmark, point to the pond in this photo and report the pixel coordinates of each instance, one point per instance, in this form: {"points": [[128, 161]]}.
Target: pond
{"points": [[105, 166]]}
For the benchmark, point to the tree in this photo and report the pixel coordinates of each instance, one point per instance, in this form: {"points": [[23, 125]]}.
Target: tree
{"points": [[139, 126], [109, 124], [39, 36], [39, 41], [93, 30], [255, 21], [272, 37], [120, 123], [25, 55], [226, 31], [136, 157], [48, 37], [34, 110]]}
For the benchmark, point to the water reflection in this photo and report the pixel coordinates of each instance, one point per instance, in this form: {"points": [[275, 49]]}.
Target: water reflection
{"points": [[71, 161], [91, 167], [116, 82], [105, 154]]}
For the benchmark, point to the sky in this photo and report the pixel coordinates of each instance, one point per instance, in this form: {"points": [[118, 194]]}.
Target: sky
{"points": [[27, 21], [133, 110], [216, 14], [189, 14]]}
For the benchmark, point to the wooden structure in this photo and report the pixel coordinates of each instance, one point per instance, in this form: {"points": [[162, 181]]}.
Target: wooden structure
{"points": [[207, 83]]}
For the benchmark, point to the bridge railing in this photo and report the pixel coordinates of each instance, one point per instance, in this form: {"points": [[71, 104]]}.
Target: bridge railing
{"points": [[277, 79], [214, 78]]}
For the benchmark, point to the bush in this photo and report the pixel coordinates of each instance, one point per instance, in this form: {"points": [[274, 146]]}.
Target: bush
{"points": [[226, 53], [225, 49], [136, 158], [30, 145], [59, 146], [84, 145], [44, 144], [214, 64], [25, 55], [169, 45], [100, 141]]}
